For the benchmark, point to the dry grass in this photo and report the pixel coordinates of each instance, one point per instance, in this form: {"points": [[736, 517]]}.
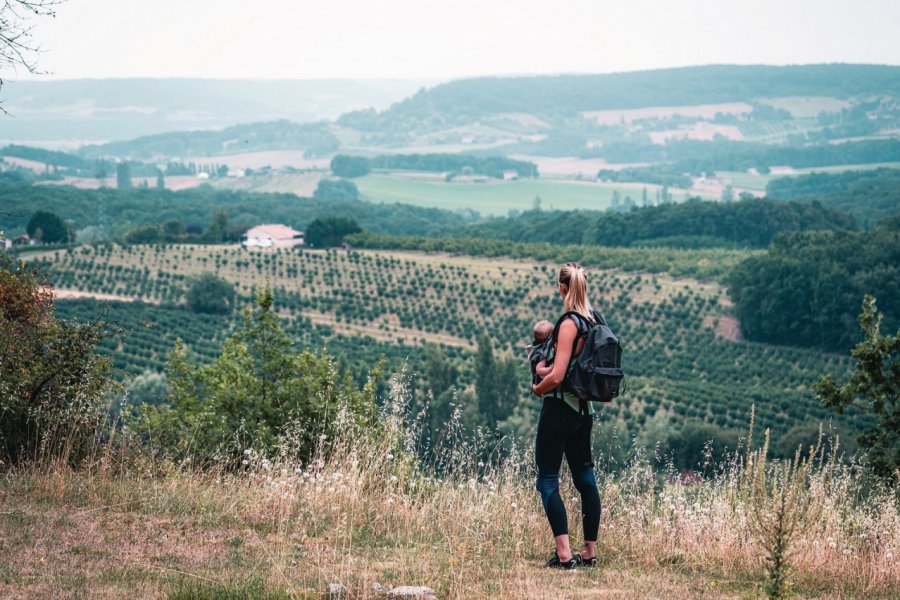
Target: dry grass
{"points": [[368, 510]]}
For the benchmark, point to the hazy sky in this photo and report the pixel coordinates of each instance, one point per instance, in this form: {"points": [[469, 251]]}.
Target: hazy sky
{"points": [[441, 39]]}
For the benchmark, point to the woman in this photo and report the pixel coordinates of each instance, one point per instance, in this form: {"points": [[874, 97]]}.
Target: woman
{"points": [[564, 428]]}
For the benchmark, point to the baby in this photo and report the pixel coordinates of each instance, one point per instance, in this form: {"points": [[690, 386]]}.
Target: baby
{"points": [[541, 347]]}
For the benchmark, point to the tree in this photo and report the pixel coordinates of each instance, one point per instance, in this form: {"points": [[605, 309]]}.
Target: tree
{"points": [[160, 180], [728, 193], [496, 384], [873, 387], [350, 166], [210, 294], [17, 48], [340, 189], [259, 393], [215, 233], [47, 227], [329, 231], [54, 386], [123, 176]]}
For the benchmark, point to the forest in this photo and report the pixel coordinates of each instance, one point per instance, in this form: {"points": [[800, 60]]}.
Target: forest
{"points": [[806, 290], [751, 223], [868, 195]]}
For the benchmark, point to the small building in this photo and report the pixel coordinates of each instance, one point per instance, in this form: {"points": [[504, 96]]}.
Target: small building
{"points": [[5, 243], [272, 236], [23, 240], [510, 174]]}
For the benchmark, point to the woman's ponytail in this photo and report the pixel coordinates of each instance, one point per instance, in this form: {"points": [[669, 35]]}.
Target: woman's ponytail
{"points": [[573, 276]]}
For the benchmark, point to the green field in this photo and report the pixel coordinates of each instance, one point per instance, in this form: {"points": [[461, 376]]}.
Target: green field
{"points": [[684, 359], [498, 197]]}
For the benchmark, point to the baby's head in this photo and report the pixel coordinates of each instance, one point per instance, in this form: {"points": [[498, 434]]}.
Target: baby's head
{"points": [[542, 330]]}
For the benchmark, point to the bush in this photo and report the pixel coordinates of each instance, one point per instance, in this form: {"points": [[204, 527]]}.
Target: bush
{"points": [[54, 388], [259, 393], [210, 294]]}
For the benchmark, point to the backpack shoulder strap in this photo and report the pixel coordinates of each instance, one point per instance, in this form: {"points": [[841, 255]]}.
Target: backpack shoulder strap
{"points": [[582, 323]]}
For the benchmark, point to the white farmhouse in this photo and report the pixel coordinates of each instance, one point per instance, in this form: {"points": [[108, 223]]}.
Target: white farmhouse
{"points": [[272, 236]]}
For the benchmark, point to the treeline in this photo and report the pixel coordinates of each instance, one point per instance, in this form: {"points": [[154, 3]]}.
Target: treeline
{"points": [[315, 139], [697, 156], [459, 164], [112, 213], [568, 95], [750, 223], [698, 263], [807, 289], [869, 195], [664, 174]]}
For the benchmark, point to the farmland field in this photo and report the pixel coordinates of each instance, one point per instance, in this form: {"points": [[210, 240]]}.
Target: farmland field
{"points": [[807, 107], [499, 197], [680, 360], [707, 111]]}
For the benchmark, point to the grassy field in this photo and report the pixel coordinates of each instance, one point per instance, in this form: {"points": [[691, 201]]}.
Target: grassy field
{"points": [[367, 511], [499, 197]]}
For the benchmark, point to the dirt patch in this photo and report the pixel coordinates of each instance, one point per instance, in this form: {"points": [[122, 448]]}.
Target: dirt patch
{"points": [[75, 294], [728, 328]]}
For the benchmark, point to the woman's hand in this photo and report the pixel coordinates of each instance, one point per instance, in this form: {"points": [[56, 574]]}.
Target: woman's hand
{"points": [[542, 369]]}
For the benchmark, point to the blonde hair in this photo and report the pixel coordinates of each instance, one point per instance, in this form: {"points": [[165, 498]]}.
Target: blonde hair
{"points": [[574, 277]]}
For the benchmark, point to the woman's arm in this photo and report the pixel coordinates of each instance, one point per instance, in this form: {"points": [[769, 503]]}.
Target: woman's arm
{"points": [[567, 333], [543, 369]]}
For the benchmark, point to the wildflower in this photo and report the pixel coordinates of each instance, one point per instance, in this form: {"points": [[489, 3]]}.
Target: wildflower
{"points": [[514, 505], [245, 462], [393, 478], [390, 456], [480, 464], [323, 437]]}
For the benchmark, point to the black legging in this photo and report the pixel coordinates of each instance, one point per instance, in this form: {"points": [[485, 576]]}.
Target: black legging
{"points": [[560, 431]]}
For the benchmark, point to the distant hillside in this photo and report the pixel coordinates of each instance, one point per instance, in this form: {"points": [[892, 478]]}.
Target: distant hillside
{"points": [[568, 95], [314, 139], [94, 110]]}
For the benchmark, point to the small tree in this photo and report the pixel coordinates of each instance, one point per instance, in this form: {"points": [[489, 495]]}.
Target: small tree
{"points": [[873, 387], [779, 504], [123, 176], [210, 294]]}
